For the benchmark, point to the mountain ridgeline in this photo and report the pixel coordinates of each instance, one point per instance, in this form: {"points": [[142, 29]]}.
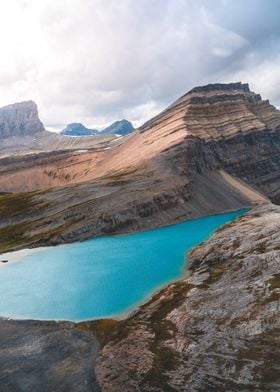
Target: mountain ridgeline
{"points": [[78, 129], [215, 149], [122, 127]]}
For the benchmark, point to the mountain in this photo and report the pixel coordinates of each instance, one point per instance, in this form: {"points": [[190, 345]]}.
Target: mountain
{"points": [[122, 127], [20, 119], [215, 149], [78, 129], [22, 132]]}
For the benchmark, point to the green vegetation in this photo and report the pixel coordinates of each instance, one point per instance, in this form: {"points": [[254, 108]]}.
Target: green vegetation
{"points": [[17, 235], [12, 204]]}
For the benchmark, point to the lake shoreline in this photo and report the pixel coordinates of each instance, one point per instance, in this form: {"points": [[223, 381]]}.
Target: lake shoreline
{"points": [[167, 246], [47, 244]]}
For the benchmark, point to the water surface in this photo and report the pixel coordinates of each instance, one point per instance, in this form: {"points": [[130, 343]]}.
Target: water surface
{"points": [[100, 277]]}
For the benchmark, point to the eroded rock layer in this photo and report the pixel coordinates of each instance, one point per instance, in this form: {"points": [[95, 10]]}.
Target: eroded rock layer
{"points": [[217, 111]]}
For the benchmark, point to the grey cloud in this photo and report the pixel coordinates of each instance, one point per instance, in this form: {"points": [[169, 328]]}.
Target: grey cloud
{"points": [[96, 61]]}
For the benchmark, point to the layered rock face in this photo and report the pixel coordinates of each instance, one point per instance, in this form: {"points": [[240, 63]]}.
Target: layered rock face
{"points": [[224, 126], [228, 127], [216, 111], [20, 119]]}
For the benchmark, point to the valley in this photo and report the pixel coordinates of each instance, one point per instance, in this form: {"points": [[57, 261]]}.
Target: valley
{"points": [[216, 150]]}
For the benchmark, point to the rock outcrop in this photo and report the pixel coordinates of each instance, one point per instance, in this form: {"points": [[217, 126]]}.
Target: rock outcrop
{"points": [[46, 356], [217, 329], [20, 119]]}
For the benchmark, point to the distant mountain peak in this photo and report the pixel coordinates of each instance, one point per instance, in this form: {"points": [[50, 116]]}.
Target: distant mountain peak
{"points": [[120, 127], [20, 118], [78, 129]]}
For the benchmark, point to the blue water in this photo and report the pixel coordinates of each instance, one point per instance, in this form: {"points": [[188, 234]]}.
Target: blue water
{"points": [[100, 277]]}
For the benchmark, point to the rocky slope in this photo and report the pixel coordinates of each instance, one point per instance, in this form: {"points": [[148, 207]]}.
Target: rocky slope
{"points": [[215, 149], [217, 329], [46, 356]]}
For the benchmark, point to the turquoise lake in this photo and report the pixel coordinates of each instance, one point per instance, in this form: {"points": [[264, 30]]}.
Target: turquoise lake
{"points": [[101, 277]]}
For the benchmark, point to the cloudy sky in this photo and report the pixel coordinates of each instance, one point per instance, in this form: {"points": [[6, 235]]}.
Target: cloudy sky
{"points": [[96, 61]]}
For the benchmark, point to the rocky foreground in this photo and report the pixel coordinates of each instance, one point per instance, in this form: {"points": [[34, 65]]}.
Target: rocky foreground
{"points": [[218, 329]]}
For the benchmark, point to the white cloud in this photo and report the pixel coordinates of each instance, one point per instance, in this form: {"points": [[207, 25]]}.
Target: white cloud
{"points": [[96, 61], [264, 76]]}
